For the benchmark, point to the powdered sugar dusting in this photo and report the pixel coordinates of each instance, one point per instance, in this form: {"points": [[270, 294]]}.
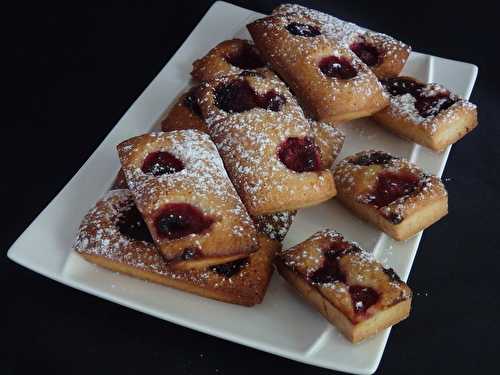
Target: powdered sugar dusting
{"points": [[99, 236], [248, 143], [344, 32], [330, 140], [275, 225], [358, 182], [203, 182], [297, 59], [358, 266], [403, 106]]}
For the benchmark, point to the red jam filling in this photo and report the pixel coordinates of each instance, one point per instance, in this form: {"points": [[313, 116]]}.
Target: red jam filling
{"points": [[330, 271], [161, 162], [362, 298], [377, 157], [337, 67], [238, 96], [177, 220], [401, 86], [132, 225], [392, 186], [271, 101], [301, 29], [231, 268], [432, 105], [299, 154], [425, 105], [245, 58], [367, 53]]}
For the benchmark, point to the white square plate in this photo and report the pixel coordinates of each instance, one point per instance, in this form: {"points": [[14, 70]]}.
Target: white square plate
{"points": [[283, 324]]}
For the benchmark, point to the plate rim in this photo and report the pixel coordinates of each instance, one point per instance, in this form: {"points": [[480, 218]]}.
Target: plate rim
{"points": [[16, 257]]}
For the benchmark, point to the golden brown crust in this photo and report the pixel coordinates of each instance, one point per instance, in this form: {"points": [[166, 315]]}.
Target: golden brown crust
{"points": [[248, 143], [217, 62], [184, 114], [100, 242], [120, 182], [393, 54], [203, 184], [330, 140], [403, 217], [436, 132], [357, 318], [296, 59], [275, 225]]}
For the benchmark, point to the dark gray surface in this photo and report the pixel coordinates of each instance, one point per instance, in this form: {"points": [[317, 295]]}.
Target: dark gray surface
{"points": [[77, 70]]}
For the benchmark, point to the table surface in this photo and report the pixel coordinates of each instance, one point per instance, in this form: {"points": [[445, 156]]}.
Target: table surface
{"points": [[77, 70]]}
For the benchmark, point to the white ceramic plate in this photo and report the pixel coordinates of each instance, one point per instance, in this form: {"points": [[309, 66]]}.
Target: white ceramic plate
{"points": [[283, 324]]}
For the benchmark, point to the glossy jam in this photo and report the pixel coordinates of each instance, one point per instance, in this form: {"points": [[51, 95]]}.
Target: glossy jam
{"points": [[392, 186], [337, 67], [367, 53], [401, 86], [245, 58], [362, 298], [191, 103], [330, 270], [132, 225], [431, 106], [161, 162], [177, 220], [230, 269], [238, 96], [377, 157], [426, 105], [299, 154], [301, 29]]}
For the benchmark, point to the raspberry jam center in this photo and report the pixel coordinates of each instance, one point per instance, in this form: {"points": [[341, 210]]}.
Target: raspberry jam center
{"points": [[132, 225], [161, 162], [299, 154], [377, 157], [301, 29], [230, 269], [366, 52], [238, 96], [245, 58], [330, 271], [362, 298], [177, 220], [337, 67], [401, 86], [392, 186], [425, 104], [431, 106]]}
